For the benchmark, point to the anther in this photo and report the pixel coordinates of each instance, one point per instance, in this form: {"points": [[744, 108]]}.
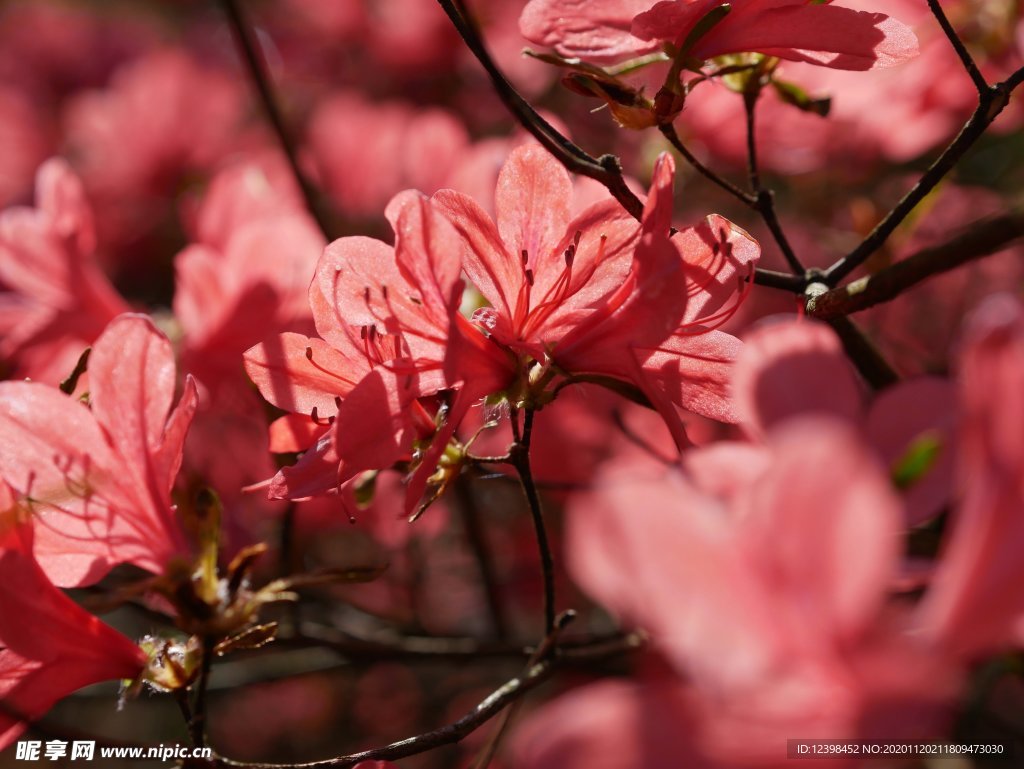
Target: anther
{"points": [[318, 421]]}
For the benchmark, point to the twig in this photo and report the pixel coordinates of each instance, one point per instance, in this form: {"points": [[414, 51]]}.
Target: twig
{"points": [[457, 730], [181, 697], [669, 132], [762, 201], [959, 47], [606, 169], [865, 356], [257, 67], [764, 198], [783, 281], [979, 240], [197, 724], [544, 649], [991, 102], [521, 461]]}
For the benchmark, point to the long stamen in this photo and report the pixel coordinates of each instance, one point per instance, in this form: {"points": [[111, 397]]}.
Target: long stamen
{"points": [[318, 367], [561, 288], [722, 250], [720, 318]]}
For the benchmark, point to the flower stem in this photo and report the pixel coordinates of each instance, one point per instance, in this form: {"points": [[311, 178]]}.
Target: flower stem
{"points": [[521, 461]]}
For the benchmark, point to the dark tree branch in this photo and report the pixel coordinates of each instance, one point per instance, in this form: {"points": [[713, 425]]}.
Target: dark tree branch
{"points": [[865, 356], [456, 731], [606, 169], [258, 73], [1015, 79], [958, 46], [783, 281], [991, 102], [762, 201], [979, 240], [521, 461], [197, 723], [765, 199], [546, 647], [669, 132]]}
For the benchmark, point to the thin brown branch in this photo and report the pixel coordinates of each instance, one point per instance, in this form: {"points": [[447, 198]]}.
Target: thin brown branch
{"points": [[765, 199], [521, 461], [544, 649], [783, 281], [762, 201], [456, 731], [605, 169], [958, 45], [862, 352], [979, 240], [197, 724], [256, 65], [991, 102], [669, 132]]}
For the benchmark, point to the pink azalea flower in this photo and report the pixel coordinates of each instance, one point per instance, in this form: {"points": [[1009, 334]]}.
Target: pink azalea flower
{"points": [[766, 598], [542, 270], [384, 316], [49, 646], [597, 297], [930, 97], [57, 299], [246, 276], [97, 478], [25, 142], [162, 116], [794, 368], [800, 538], [974, 604], [800, 30], [365, 152]]}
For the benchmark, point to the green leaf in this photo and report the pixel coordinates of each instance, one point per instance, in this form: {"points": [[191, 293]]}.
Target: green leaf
{"points": [[920, 457], [793, 94]]}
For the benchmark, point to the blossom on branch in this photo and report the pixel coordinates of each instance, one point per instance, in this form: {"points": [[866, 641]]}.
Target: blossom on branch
{"points": [[57, 299], [49, 646], [598, 295], [97, 478], [384, 317], [800, 30]]}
